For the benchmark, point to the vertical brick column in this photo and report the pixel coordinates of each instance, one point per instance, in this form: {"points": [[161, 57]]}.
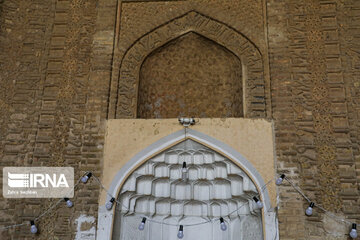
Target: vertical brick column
{"points": [[309, 89], [45, 106], [284, 54], [348, 22], [25, 30]]}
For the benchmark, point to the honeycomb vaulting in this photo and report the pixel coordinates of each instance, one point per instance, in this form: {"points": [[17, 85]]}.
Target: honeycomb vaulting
{"points": [[214, 186]]}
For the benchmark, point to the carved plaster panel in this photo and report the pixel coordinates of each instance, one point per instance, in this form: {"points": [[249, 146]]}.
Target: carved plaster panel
{"points": [[213, 187]]}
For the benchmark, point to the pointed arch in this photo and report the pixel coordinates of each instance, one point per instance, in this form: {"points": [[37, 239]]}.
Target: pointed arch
{"points": [[126, 86], [106, 218]]}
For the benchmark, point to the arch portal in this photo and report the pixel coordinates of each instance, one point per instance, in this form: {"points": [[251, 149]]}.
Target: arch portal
{"points": [[126, 86], [220, 181], [212, 187]]}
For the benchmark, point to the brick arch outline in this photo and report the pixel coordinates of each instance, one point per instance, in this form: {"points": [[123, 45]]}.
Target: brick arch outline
{"points": [[251, 58]]}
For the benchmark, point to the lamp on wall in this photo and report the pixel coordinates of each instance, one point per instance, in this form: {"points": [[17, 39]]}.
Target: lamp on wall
{"points": [[33, 228], [110, 204], [258, 203], [69, 203], [309, 210], [184, 171], [85, 178], [222, 224], [181, 232], [280, 179], [353, 233], [186, 121], [142, 224]]}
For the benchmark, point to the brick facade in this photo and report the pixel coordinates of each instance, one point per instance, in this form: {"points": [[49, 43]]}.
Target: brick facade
{"points": [[59, 81]]}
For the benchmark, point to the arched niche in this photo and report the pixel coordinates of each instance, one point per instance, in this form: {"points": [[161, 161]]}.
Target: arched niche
{"points": [[190, 76], [126, 86], [212, 155]]}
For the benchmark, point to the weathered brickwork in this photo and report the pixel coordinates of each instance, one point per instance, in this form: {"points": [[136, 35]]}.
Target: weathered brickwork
{"points": [[62, 121], [313, 114], [68, 65], [140, 29], [169, 88], [47, 114], [348, 15], [125, 81], [24, 32]]}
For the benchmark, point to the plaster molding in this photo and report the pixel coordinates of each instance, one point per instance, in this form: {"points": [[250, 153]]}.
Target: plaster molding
{"points": [[106, 218]]}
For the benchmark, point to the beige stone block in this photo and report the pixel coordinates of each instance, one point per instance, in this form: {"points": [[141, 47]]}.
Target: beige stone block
{"points": [[253, 139]]}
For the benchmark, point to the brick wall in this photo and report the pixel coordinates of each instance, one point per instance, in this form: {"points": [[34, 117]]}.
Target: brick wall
{"points": [[56, 63], [50, 110], [313, 78]]}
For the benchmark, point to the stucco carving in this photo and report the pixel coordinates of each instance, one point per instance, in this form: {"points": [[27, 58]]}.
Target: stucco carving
{"points": [[212, 187]]}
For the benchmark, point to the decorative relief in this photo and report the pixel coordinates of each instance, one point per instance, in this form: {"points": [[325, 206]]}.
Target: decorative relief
{"points": [[22, 43], [213, 186], [190, 76], [349, 45], [328, 173], [67, 93], [10, 65], [128, 81], [138, 17], [75, 65]]}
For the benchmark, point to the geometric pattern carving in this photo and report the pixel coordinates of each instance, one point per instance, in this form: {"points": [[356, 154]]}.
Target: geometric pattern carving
{"points": [[124, 104], [324, 140], [190, 76], [214, 187]]}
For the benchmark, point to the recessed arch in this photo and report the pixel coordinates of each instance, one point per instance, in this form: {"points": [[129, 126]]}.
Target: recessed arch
{"points": [[126, 85], [106, 218], [190, 76]]}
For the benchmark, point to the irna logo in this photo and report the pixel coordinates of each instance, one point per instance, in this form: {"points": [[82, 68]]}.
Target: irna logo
{"points": [[36, 180]]}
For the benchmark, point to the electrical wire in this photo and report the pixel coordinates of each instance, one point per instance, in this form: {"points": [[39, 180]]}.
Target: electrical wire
{"points": [[297, 189], [52, 206], [263, 188], [318, 205]]}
